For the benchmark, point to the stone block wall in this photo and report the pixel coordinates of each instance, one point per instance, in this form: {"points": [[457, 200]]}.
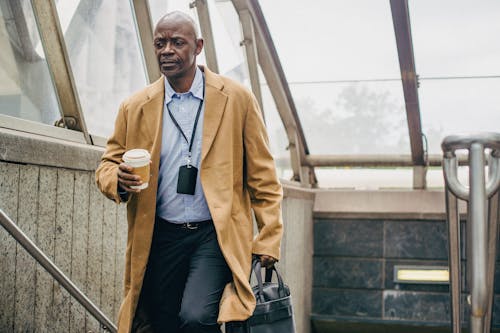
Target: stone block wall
{"points": [[354, 263]]}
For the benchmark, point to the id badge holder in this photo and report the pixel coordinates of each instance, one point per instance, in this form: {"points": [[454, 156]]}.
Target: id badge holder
{"points": [[186, 183]]}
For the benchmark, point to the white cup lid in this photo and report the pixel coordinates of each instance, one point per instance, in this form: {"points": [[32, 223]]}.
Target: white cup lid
{"points": [[136, 155]]}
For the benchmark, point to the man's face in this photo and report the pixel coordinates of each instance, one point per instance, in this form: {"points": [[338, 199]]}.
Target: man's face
{"points": [[176, 47]]}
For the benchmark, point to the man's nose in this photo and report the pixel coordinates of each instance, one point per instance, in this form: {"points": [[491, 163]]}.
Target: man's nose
{"points": [[167, 49]]}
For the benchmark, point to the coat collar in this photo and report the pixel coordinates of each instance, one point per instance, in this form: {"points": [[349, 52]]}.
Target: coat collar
{"points": [[215, 104], [152, 109]]}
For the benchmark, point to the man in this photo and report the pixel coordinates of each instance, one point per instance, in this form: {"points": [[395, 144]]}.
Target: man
{"points": [[190, 237]]}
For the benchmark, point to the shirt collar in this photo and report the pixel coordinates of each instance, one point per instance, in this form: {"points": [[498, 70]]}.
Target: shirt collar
{"points": [[196, 87]]}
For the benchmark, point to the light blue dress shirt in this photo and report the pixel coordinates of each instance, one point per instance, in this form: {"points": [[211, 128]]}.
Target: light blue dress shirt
{"points": [[170, 205]]}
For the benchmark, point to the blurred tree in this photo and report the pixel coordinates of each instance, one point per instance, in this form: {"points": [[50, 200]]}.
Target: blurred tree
{"points": [[362, 121]]}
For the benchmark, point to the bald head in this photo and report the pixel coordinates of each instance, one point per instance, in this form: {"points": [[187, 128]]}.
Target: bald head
{"points": [[179, 18], [176, 46]]}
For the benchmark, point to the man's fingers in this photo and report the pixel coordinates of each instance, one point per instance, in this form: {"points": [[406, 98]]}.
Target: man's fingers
{"points": [[126, 178], [267, 261], [126, 184], [125, 173], [125, 168]]}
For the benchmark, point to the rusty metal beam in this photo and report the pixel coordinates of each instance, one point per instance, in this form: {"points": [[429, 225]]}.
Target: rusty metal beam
{"points": [[207, 33], [401, 21], [145, 28], [275, 77], [59, 66], [249, 42]]}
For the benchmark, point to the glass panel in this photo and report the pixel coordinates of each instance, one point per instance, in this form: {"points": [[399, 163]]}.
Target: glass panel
{"points": [[26, 89], [159, 8], [103, 48], [278, 139], [343, 73], [458, 106], [227, 36], [353, 118], [456, 46], [456, 37], [333, 40]]}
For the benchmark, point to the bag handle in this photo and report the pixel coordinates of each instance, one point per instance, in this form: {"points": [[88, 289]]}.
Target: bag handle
{"points": [[269, 274], [257, 269], [269, 271]]}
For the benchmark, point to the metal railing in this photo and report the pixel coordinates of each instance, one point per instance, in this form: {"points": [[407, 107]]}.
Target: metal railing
{"points": [[481, 228], [56, 273]]}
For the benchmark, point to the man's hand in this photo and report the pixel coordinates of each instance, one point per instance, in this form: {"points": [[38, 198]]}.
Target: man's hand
{"points": [[126, 178], [267, 261]]}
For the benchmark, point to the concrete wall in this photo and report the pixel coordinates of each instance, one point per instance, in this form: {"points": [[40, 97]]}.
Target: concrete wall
{"points": [[81, 231], [297, 247]]}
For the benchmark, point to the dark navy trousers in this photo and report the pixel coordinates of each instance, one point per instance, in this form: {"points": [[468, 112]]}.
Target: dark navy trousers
{"points": [[184, 280]]}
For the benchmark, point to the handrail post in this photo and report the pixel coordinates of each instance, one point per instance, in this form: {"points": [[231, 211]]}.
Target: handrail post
{"points": [[453, 218], [477, 207], [482, 224]]}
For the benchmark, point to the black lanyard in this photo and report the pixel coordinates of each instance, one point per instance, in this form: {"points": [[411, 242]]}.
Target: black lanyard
{"points": [[194, 126]]}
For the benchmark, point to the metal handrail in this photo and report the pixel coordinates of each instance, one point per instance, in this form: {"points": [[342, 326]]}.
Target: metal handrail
{"points": [[455, 142], [56, 273], [482, 226]]}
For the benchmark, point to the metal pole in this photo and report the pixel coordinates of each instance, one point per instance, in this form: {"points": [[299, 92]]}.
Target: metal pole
{"points": [[492, 247], [477, 206], [56, 273], [144, 28], [206, 31], [453, 218], [249, 43], [373, 160]]}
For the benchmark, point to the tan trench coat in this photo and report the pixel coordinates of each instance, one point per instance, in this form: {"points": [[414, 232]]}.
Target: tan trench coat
{"points": [[237, 173]]}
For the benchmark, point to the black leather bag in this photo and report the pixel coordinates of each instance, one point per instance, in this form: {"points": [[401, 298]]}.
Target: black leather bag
{"points": [[273, 312]]}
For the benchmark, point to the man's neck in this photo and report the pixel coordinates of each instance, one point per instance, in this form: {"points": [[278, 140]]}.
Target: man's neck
{"points": [[184, 83]]}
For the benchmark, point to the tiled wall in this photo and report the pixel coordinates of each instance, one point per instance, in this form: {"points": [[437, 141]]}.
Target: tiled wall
{"points": [[354, 272]]}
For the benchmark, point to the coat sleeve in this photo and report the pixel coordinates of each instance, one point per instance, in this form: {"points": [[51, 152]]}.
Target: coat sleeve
{"points": [[106, 173], [264, 187]]}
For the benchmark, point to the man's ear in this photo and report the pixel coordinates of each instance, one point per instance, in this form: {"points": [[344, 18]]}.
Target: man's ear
{"points": [[199, 46]]}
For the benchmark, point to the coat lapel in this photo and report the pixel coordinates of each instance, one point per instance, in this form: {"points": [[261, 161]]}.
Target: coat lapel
{"points": [[152, 110], [215, 104]]}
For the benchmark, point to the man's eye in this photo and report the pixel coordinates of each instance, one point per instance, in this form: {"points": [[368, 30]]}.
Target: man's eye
{"points": [[159, 45], [178, 43]]}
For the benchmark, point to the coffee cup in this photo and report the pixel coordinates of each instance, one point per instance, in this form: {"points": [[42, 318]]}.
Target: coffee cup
{"points": [[138, 159]]}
